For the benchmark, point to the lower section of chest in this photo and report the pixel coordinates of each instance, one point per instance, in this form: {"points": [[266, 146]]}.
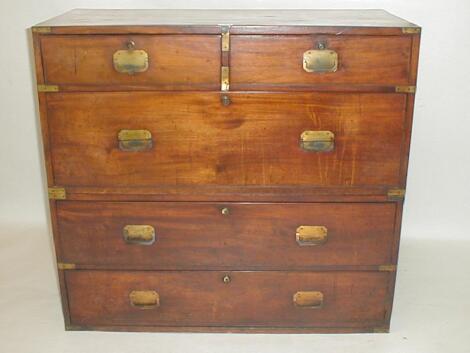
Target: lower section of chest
{"points": [[226, 266]]}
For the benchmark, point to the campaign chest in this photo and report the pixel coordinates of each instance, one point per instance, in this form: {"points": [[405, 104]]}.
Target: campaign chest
{"points": [[222, 170]]}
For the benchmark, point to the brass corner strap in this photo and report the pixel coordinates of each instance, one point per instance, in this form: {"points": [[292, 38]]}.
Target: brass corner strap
{"points": [[224, 78], [69, 327], [411, 30], [48, 88], [225, 49], [64, 266], [42, 30], [387, 268], [225, 29], [405, 89], [381, 330], [396, 194], [57, 193]]}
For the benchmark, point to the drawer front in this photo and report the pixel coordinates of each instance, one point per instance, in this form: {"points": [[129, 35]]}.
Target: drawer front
{"points": [[292, 60], [258, 139], [179, 235], [167, 61], [271, 299]]}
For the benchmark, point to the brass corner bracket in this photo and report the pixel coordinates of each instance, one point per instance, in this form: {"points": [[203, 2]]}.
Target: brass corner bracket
{"points": [[64, 266], [381, 330], [396, 194], [57, 193], [69, 327], [411, 30], [405, 89], [42, 30], [387, 268], [48, 88]]}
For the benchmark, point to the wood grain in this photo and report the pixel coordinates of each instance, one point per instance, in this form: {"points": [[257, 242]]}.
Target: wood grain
{"points": [[242, 21], [252, 236], [257, 299], [277, 60], [198, 141], [173, 60]]}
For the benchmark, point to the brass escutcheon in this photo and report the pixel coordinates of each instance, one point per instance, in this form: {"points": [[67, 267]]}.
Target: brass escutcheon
{"points": [[225, 100]]}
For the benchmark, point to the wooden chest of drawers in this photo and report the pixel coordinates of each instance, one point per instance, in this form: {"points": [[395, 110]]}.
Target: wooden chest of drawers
{"points": [[226, 170]]}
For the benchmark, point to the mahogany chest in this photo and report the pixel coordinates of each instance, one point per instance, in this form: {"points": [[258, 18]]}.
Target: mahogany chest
{"points": [[224, 170]]}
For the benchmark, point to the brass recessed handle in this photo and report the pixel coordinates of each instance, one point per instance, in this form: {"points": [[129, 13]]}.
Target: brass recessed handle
{"points": [[308, 299], [226, 279], [144, 299], [130, 61], [311, 235], [320, 60], [135, 140], [317, 141], [225, 211], [139, 234]]}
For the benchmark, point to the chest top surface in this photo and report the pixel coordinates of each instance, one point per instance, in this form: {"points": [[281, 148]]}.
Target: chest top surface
{"points": [[295, 18]]}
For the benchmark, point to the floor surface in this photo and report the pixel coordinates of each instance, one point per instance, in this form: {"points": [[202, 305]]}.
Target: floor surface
{"points": [[431, 309]]}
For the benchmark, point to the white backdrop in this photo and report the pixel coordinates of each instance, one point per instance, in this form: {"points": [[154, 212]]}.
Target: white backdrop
{"points": [[438, 198]]}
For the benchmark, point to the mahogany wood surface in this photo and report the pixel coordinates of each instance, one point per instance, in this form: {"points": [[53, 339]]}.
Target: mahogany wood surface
{"points": [[242, 21], [198, 236], [227, 193], [253, 141], [277, 60], [198, 298], [176, 60]]}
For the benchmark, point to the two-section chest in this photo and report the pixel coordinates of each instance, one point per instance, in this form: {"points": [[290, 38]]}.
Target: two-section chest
{"points": [[214, 171]]}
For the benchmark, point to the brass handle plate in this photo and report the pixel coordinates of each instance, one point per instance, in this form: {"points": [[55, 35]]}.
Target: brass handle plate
{"points": [[135, 140], [226, 279], [317, 141], [144, 299], [320, 60], [308, 299], [311, 235], [139, 234], [225, 211], [130, 61]]}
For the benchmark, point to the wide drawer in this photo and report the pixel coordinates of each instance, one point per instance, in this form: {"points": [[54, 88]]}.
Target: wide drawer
{"points": [[255, 299], [148, 139], [162, 61], [180, 235], [290, 61]]}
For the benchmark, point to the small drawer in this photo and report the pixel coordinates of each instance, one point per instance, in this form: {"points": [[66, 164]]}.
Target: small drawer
{"points": [[163, 61], [191, 235], [213, 298], [292, 61]]}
